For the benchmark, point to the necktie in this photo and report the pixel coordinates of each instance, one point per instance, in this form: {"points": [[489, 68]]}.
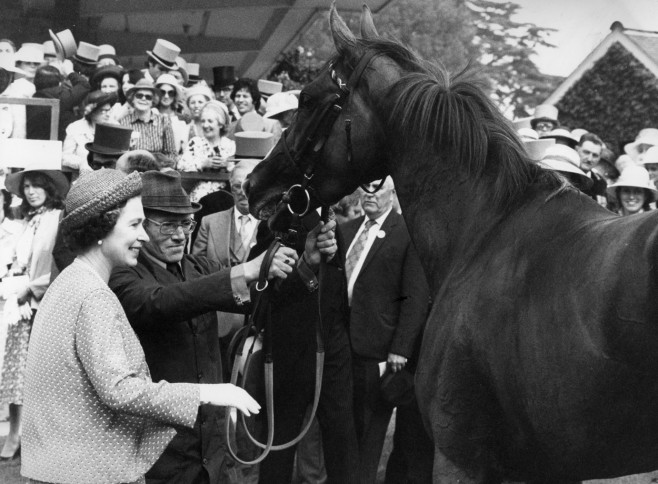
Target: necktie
{"points": [[175, 269], [355, 254], [243, 232]]}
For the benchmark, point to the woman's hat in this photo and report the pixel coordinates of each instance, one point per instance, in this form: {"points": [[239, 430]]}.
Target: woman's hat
{"points": [[566, 160], [253, 144], [142, 84], [223, 76], [29, 53], [578, 133], [110, 139], [562, 136], [650, 156], [199, 89], [95, 192], [64, 43], [646, 136], [633, 176], [102, 72], [537, 148], [173, 82], [96, 99], [220, 109], [280, 103], [163, 192], [164, 53], [87, 53], [14, 181], [545, 112], [8, 63]]}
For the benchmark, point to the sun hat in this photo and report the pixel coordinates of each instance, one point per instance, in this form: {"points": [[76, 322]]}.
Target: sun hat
{"points": [[65, 45], [650, 156], [102, 72], [562, 135], [280, 103], [633, 176], [97, 191], [545, 112], [527, 134], [163, 192], [164, 53], [86, 53], [223, 76], [199, 89], [646, 136], [8, 63], [537, 148], [110, 139], [49, 49], [29, 53], [566, 160], [143, 84], [14, 181], [173, 82]]}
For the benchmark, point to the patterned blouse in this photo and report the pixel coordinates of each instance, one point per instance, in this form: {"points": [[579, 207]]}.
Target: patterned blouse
{"points": [[197, 151], [156, 135], [91, 411]]}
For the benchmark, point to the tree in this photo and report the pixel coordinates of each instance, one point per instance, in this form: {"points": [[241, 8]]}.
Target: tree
{"points": [[453, 32]]}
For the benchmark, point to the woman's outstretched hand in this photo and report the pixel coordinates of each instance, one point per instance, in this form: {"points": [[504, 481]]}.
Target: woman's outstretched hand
{"points": [[228, 395]]}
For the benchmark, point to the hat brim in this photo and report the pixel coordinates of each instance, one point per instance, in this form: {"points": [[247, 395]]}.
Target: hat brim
{"points": [[82, 60], [103, 150], [631, 148], [566, 167], [115, 73], [153, 89], [612, 188], [14, 181], [193, 208], [172, 67], [278, 111], [533, 122]]}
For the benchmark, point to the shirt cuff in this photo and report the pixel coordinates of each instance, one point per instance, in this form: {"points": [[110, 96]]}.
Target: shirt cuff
{"points": [[307, 275], [239, 285]]}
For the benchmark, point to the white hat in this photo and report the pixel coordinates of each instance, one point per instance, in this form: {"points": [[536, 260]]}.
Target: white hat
{"points": [[173, 82], [633, 176], [537, 148], [87, 53], [564, 135], [267, 88], [646, 136], [528, 134], [8, 63], [28, 53], [49, 48], [650, 156], [279, 103], [565, 160], [544, 112], [165, 53], [578, 133]]}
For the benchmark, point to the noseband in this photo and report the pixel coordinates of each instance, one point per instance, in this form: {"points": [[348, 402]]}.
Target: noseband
{"points": [[297, 198]]}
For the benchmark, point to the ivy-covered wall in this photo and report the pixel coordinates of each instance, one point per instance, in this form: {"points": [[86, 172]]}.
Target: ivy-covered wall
{"points": [[616, 98]]}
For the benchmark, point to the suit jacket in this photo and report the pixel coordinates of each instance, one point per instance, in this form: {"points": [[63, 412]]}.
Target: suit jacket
{"points": [[91, 411], [214, 242], [390, 298], [176, 325]]}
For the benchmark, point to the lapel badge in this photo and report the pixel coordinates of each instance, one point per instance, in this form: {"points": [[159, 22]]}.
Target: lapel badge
{"points": [[381, 234]]}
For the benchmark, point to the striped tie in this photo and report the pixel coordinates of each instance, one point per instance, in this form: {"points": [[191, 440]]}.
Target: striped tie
{"points": [[355, 254]]}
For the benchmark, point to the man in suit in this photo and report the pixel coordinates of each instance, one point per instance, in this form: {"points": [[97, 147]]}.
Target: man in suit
{"points": [[389, 299], [227, 237], [589, 149], [170, 299]]}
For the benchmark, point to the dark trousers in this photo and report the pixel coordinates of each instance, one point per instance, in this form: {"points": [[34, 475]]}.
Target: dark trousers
{"points": [[372, 416]]}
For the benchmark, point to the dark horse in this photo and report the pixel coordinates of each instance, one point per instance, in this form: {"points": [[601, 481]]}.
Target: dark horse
{"points": [[539, 358]]}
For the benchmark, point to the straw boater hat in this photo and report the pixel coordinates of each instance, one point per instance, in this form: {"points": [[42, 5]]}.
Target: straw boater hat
{"points": [[646, 136], [634, 176], [14, 181], [64, 43], [280, 103], [563, 159], [87, 53], [95, 192], [537, 148], [163, 192], [173, 82], [545, 112], [110, 139], [562, 136], [223, 76], [164, 53]]}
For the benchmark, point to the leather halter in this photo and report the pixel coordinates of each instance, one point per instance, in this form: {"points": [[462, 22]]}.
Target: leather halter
{"points": [[297, 198]]}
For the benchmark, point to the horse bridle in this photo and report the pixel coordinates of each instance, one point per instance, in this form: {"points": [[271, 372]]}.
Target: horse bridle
{"points": [[297, 197]]}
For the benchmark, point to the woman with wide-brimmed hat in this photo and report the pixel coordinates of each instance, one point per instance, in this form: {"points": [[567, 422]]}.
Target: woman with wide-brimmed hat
{"points": [[196, 98], [42, 191], [153, 131], [92, 412], [633, 191], [172, 96], [98, 106]]}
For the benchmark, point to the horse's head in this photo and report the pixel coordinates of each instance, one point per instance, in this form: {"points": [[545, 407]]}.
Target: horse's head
{"points": [[336, 141]]}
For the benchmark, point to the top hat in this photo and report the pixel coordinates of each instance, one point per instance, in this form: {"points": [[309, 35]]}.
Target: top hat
{"points": [[14, 181], [562, 136], [253, 144], [280, 103], [646, 136], [193, 70], [537, 148], [165, 53], [110, 139], [49, 49], [163, 192], [634, 176], [267, 88], [64, 43], [223, 76], [86, 53], [106, 50], [545, 112]]}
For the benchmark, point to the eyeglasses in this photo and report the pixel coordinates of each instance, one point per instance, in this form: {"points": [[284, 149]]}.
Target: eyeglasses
{"points": [[148, 97], [168, 92], [171, 228]]}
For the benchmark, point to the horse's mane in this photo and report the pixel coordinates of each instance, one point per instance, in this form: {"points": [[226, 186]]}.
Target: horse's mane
{"points": [[453, 118]]}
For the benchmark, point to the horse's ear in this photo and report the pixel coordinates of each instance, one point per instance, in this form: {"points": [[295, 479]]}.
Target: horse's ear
{"points": [[368, 30], [344, 39]]}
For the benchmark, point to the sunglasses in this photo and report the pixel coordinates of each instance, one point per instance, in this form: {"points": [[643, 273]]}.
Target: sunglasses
{"points": [[148, 97], [168, 92]]}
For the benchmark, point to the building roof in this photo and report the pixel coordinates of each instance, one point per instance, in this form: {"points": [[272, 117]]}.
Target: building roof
{"points": [[642, 44]]}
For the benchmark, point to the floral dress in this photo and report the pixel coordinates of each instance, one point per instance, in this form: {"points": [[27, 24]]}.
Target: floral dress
{"points": [[197, 151]]}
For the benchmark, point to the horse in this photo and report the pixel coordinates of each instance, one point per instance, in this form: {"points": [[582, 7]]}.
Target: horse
{"points": [[538, 361]]}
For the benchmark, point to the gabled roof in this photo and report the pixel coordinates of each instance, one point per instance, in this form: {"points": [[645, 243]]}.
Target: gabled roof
{"points": [[642, 44]]}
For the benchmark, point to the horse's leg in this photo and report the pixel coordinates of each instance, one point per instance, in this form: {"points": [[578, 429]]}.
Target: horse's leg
{"points": [[446, 472]]}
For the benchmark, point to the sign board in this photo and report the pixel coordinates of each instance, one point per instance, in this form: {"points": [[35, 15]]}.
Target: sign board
{"points": [[22, 153]]}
